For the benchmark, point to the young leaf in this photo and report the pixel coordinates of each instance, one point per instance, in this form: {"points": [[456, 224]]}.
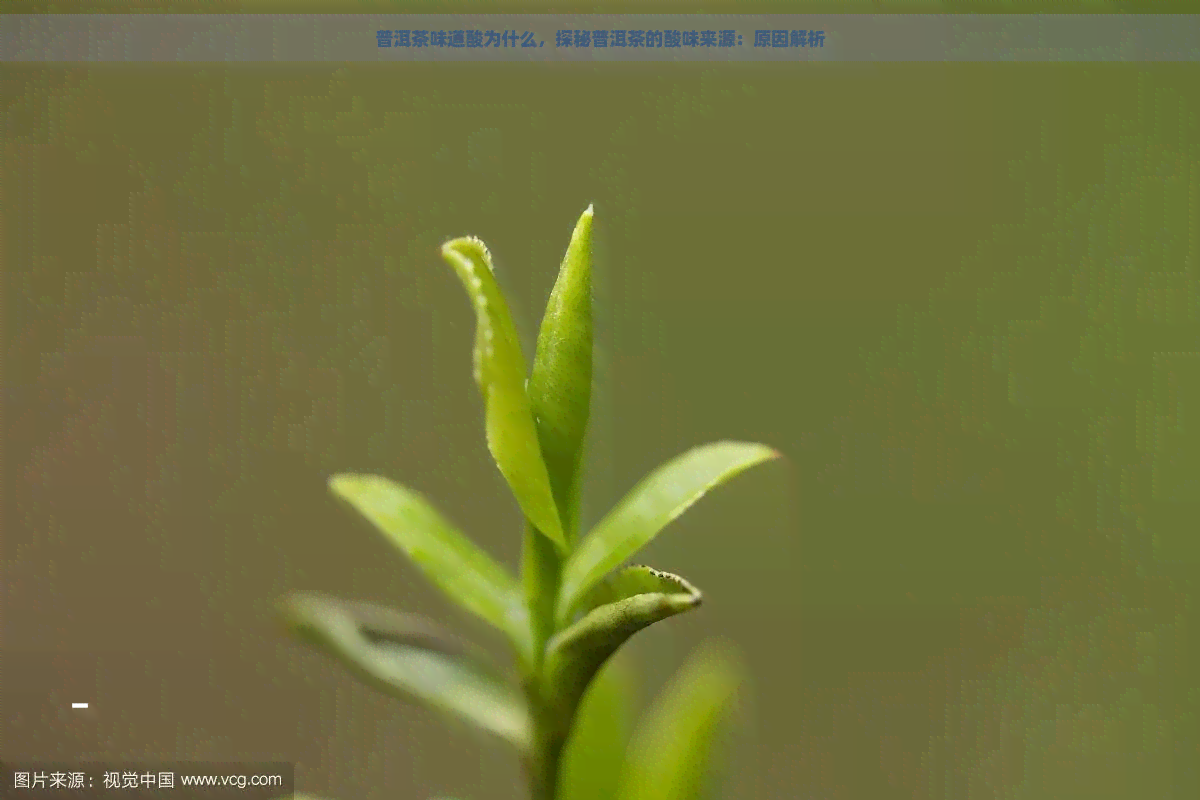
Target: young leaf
{"points": [[560, 386], [595, 749], [500, 372], [670, 753], [453, 562], [661, 497], [628, 601], [408, 657]]}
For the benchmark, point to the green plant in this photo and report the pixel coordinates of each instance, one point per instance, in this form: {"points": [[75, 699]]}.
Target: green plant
{"points": [[575, 603]]}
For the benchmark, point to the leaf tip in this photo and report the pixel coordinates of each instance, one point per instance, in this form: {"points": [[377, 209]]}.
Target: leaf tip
{"points": [[584, 226], [344, 484], [465, 248], [555, 534], [294, 611], [762, 452]]}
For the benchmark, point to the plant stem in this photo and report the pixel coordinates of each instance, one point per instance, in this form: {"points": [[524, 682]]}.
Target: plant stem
{"points": [[542, 766], [541, 573]]}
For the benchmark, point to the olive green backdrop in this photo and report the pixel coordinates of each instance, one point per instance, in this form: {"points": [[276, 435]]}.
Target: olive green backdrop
{"points": [[961, 299]]}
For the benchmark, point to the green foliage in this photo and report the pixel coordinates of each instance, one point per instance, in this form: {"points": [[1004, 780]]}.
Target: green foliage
{"points": [[664, 495], [595, 751], [410, 657], [560, 386], [465, 573], [668, 757], [500, 372], [578, 606], [630, 600]]}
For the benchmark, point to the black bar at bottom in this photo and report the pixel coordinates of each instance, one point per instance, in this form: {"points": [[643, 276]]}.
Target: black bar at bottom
{"points": [[132, 780]]}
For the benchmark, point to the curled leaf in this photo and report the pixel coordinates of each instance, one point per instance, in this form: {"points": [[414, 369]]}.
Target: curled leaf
{"points": [[628, 601], [560, 386], [672, 751], [467, 574], [407, 656], [647, 509], [500, 372]]}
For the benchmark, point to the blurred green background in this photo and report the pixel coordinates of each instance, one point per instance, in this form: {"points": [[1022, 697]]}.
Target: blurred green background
{"points": [[961, 299]]}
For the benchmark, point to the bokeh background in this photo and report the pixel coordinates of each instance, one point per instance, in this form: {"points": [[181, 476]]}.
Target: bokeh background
{"points": [[961, 299]]}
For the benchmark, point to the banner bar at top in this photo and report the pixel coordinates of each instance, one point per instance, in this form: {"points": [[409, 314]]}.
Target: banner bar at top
{"points": [[596, 38]]}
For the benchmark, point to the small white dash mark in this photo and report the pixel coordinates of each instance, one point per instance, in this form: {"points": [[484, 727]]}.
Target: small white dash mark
{"points": [[79, 705]]}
